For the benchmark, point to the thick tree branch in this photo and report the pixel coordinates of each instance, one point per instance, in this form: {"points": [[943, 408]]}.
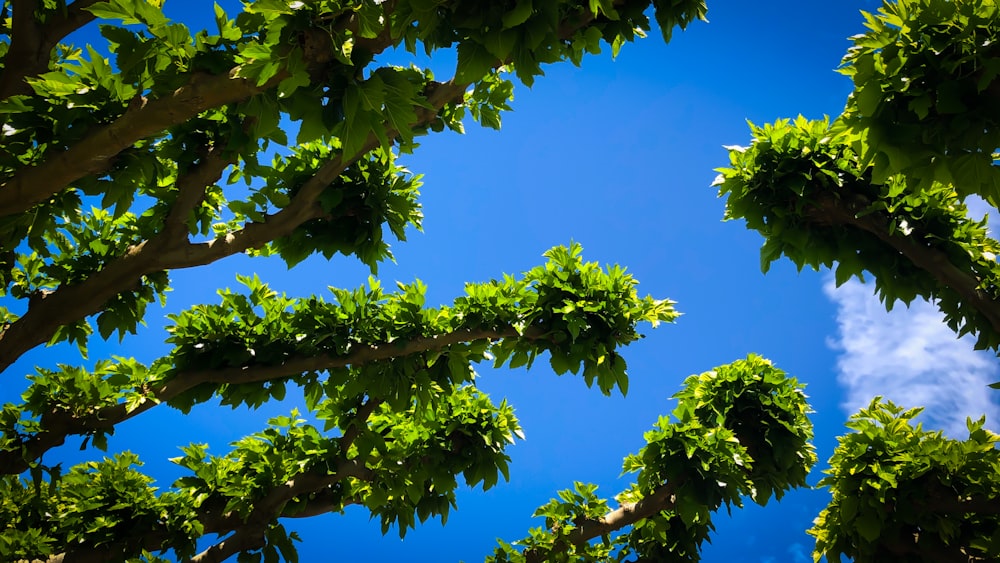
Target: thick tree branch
{"points": [[662, 499], [191, 190], [94, 153], [58, 425], [32, 43], [25, 47], [70, 303], [931, 260]]}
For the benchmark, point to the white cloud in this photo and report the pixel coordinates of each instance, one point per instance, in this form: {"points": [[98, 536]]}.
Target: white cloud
{"points": [[912, 358]]}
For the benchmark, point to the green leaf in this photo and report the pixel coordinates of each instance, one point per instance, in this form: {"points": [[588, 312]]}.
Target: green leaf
{"points": [[115, 9], [520, 14], [869, 525], [474, 62]]}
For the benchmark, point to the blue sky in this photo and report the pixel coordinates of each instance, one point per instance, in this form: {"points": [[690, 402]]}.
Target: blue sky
{"points": [[619, 156]]}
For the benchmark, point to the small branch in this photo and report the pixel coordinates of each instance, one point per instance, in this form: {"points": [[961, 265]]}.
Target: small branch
{"points": [[191, 191], [304, 205], [352, 431], [244, 539], [322, 502], [662, 499], [249, 533]]}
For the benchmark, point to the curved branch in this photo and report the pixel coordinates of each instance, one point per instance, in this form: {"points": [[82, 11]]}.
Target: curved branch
{"points": [[94, 153], [662, 499], [73, 302], [249, 533], [191, 190], [25, 46], [32, 43], [58, 425], [244, 539], [163, 252], [929, 259]]}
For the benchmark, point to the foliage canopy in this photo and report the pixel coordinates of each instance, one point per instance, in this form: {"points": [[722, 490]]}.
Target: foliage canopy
{"points": [[157, 148], [883, 189], [162, 149]]}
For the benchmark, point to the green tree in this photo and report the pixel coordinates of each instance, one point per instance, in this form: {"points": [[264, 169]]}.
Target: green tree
{"points": [[882, 189], [122, 162]]}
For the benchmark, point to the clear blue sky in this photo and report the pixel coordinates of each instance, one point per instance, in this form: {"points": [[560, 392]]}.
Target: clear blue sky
{"points": [[619, 156]]}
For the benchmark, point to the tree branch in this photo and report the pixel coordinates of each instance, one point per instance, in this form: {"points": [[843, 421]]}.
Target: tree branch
{"points": [[191, 191], [94, 153], [249, 533], [931, 260], [25, 47], [73, 302], [58, 425], [662, 499], [31, 44]]}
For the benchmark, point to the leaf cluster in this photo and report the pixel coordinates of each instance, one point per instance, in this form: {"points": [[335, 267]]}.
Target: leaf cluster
{"points": [[903, 493], [738, 431], [925, 75], [804, 186], [388, 380]]}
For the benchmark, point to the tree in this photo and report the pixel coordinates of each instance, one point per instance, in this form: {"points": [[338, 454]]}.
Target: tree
{"points": [[882, 189], [113, 162]]}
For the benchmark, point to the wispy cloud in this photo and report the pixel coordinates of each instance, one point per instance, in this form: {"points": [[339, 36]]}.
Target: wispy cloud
{"points": [[912, 358]]}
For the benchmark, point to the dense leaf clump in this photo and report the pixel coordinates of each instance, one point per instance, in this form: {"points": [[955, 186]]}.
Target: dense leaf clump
{"points": [[739, 431], [803, 185], [884, 191], [902, 493]]}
